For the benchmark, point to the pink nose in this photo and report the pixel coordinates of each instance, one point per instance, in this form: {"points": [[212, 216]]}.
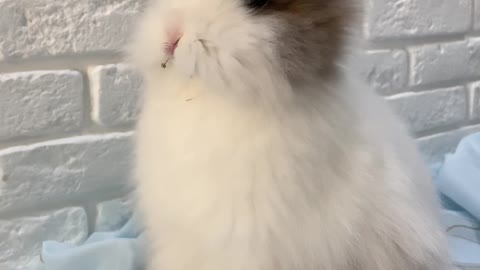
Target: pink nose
{"points": [[171, 46]]}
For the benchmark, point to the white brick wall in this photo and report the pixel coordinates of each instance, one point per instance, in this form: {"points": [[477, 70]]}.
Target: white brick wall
{"points": [[68, 104], [424, 56]]}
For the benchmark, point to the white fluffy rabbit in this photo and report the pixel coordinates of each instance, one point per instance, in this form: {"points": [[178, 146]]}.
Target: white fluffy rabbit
{"points": [[256, 151]]}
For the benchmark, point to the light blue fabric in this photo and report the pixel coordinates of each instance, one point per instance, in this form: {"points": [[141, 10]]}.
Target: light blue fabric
{"points": [[118, 250], [457, 179]]}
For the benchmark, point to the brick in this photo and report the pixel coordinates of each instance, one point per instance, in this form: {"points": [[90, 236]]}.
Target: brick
{"points": [[446, 61], [475, 100], [435, 147], [22, 237], [390, 19], [115, 91], [44, 27], [386, 71], [431, 110], [63, 168], [40, 103], [112, 215]]}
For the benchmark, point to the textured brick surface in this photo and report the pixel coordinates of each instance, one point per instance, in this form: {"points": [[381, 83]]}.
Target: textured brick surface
{"points": [[115, 93], [44, 27], [112, 215], [60, 168], [435, 147], [388, 19], [40, 103], [22, 237], [435, 109], [445, 61], [386, 71]]}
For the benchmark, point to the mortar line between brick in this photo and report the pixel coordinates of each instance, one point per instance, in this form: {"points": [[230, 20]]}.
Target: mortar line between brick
{"points": [[471, 101], [87, 100], [99, 131], [70, 140], [92, 213], [442, 129], [418, 93], [445, 132], [411, 68], [401, 42], [472, 16], [408, 66], [443, 84]]}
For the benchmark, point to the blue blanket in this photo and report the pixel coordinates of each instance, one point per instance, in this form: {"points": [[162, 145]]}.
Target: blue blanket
{"points": [[457, 179], [123, 249]]}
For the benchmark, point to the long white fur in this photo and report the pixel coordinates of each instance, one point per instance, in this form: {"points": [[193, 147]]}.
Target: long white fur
{"points": [[236, 170]]}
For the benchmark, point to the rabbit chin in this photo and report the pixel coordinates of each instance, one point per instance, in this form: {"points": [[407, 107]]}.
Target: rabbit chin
{"points": [[249, 75]]}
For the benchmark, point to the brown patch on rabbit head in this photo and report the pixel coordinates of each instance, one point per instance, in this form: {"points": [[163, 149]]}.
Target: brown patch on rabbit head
{"points": [[313, 34]]}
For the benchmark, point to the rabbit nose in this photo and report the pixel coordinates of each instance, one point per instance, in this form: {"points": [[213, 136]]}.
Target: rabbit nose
{"points": [[173, 34], [172, 45]]}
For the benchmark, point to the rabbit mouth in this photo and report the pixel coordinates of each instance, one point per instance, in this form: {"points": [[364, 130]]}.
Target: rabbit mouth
{"points": [[170, 49]]}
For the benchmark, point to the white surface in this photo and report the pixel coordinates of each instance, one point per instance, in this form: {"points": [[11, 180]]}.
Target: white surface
{"points": [[40, 103]]}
